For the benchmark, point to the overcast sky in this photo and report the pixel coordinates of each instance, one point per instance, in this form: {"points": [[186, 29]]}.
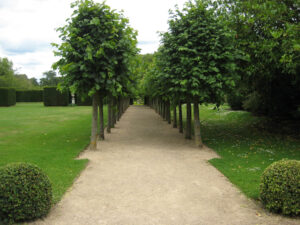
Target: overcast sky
{"points": [[27, 27]]}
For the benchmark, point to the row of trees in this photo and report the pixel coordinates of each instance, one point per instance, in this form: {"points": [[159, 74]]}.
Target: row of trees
{"points": [[243, 52], [97, 53], [196, 63]]}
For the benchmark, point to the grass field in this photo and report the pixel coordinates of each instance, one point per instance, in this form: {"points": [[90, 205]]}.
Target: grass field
{"points": [[50, 137], [245, 146]]}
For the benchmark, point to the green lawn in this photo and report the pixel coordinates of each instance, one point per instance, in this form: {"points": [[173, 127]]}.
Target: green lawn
{"points": [[50, 137], [246, 149]]}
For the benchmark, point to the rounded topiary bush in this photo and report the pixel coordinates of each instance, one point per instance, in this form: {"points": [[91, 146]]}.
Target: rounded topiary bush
{"points": [[25, 193], [280, 187]]}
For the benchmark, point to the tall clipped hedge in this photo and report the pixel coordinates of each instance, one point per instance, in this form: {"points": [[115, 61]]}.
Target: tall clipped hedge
{"points": [[7, 96], [83, 102], [53, 97], [29, 95]]}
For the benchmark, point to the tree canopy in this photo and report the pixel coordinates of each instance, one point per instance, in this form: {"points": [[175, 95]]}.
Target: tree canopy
{"points": [[9, 77], [50, 79], [96, 54], [268, 33], [96, 51]]}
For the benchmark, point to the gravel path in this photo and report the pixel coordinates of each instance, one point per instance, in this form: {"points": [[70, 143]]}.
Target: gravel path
{"points": [[145, 172]]}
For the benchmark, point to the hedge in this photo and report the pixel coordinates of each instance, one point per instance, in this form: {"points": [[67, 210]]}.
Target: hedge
{"points": [[53, 97], [29, 95], [7, 96], [83, 102]]}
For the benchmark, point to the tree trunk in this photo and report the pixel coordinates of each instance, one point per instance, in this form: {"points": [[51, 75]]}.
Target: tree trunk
{"points": [[93, 144], [114, 111], [163, 110], [109, 116], [175, 115], [188, 131], [119, 109], [168, 112], [198, 139], [101, 134], [180, 118], [160, 108]]}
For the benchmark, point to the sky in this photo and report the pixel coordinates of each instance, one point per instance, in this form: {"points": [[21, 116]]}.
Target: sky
{"points": [[28, 27]]}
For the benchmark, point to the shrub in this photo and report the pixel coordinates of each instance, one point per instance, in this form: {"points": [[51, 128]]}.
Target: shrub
{"points": [[237, 97], [29, 95], [235, 101], [53, 97], [7, 96], [87, 101], [280, 187], [26, 193]]}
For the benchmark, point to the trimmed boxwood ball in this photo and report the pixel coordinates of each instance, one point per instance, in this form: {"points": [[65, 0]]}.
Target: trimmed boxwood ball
{"points": [[280, 187], [25, 193]]}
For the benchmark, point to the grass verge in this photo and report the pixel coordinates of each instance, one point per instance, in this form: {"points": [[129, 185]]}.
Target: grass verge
{"points": [[246, 147], [50, 137]]}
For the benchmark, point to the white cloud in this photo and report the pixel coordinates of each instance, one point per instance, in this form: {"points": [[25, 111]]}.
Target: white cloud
{"points": [[28, 27]]}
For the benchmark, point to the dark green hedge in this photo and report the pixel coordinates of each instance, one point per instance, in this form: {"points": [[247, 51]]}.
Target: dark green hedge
{"points": [[7, 96], [29, 95], [53, 97], [83, 102]]}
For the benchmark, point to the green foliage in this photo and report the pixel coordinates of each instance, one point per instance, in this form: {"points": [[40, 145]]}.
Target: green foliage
{"points": [[197, 56], [53, 97], [26, 193], [21, 81], [6, 73], [236, 98], [96, 51], [29, 95], [7, 96], [280, 187], [34, 81], [142, 71], [87, 101], [8, 78], [49, 79], [268, 33]]}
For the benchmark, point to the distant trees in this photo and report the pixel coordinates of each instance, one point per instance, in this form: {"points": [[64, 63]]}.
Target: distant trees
{"points": [[50, 79], [34, 81], [6, 73], [9, 78], [21, 81], [141, 69]]}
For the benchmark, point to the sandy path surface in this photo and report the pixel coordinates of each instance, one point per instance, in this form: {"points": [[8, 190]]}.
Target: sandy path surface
{"points": [[145, 172]]}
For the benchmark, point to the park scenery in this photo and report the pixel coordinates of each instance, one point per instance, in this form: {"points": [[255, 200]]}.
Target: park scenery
{"points": [[203, 130]]}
